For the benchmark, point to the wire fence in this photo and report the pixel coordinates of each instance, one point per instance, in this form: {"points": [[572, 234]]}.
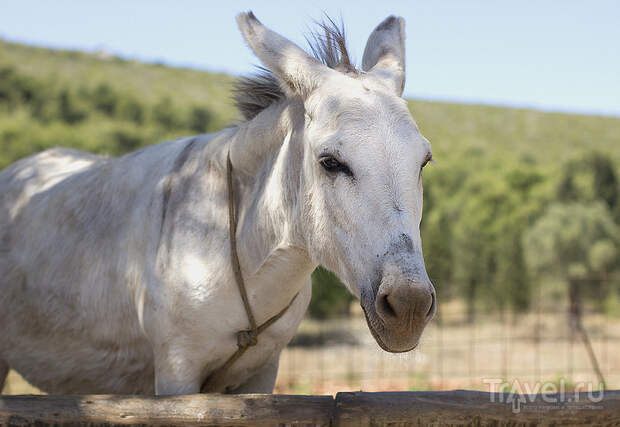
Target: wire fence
{"points": [[528, 350]]}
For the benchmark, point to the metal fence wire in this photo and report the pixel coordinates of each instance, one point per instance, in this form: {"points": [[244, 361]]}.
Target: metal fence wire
{"points": [[520, 352]]}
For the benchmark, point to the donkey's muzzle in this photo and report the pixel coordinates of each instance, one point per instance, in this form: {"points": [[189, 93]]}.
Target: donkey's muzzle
{"points": [[406, 306], [404, 303]]}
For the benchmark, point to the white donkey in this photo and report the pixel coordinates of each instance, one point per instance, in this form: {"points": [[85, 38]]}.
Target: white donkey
{"points": [[117, 276]]}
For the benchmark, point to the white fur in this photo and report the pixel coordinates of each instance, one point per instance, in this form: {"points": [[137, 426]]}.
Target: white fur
{"points": [[115, 273]]}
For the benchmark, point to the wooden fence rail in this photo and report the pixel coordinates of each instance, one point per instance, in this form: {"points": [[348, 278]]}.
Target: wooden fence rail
{"points": [[347, 409]]}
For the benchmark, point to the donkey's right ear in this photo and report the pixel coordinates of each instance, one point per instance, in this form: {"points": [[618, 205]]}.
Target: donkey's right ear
{"points": [[298, 72], [384, 55]]}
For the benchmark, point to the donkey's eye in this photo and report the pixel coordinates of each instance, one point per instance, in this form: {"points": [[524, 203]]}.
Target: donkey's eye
{"points": [[331, 165]]}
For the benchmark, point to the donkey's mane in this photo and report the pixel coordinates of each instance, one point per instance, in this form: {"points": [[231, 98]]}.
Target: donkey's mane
{"points": [[254, 93]]}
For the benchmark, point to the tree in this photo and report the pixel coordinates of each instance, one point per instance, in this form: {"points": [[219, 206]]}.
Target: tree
{"points": [[69, 109], [165, 114], [493, 212], [591, 177], [199, 119], [329, 296], [437, 248], [577, 241], [131, 110], [105, 99], [16, 89], [605, 179], [580, 242]]}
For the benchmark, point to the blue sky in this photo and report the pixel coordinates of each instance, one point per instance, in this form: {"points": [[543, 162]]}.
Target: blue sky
{"points": [[552, 55]]}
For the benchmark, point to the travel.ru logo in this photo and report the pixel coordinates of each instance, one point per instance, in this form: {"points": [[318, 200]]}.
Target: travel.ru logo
{"points": [[518, 394]]}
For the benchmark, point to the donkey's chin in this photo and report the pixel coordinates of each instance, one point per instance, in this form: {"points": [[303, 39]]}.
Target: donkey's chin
{"points": [[386, 339]]}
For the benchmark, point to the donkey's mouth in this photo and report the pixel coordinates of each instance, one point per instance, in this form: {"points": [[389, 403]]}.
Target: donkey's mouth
{"points": [[377, 336]]}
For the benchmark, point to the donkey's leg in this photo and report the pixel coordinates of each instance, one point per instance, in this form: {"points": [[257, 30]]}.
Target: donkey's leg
{"points": [[4, 372], [263, 381]]}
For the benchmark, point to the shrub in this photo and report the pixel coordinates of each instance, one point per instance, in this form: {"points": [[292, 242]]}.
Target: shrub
{"points": [[164, 114], [199, 119], [104, 99]]}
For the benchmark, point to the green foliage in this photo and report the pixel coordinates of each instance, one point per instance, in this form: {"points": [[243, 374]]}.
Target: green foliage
{"points": [[199, 120], [165, 114], [109, 106], [104, 99], [472, 234], [13, 91], [329, 296], [591, 177], [611, 304], [131, 110], [580, 243], [576, 240], [69, 109], [438, 254]]}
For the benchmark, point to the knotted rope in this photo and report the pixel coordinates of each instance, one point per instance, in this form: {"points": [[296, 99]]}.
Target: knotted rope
{"points": [[247, 338]]}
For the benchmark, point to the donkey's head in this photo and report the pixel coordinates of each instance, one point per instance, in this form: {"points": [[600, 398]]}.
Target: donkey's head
{"points": [[360, 171]]}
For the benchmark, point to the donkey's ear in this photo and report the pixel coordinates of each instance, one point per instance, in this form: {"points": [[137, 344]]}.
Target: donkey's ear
{"points": [[298, 72], [384, 55]]}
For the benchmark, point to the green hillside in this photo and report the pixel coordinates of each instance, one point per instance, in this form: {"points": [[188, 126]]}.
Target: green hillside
{"points": [[148, 82], [497, 169], [100, 103]]}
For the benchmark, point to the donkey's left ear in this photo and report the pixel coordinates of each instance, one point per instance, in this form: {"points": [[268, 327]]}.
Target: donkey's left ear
{"points": [[298, 72], [384, 55]]}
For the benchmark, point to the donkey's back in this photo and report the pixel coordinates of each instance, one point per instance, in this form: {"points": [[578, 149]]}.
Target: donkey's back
{"points": [[69, 257], [34, 174]]}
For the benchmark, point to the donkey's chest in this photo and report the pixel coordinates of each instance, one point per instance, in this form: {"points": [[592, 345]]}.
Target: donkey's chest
{"points": [[265, 352]]}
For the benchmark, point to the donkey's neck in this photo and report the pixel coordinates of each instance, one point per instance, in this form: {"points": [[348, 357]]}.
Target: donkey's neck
{"points": [[266, 168]]}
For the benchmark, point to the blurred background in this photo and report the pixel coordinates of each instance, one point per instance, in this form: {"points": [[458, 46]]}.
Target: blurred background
{"points": [[521, 225]]}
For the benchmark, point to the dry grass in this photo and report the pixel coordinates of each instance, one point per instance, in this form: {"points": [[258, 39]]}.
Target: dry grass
{"points": [[529, 348]]}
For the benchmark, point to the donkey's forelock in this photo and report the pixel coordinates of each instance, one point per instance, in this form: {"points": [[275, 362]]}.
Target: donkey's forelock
{"points": [[254, 93]]}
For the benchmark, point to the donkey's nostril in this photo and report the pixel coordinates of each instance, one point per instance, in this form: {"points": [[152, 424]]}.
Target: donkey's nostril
{"points": [[385, 308], [433, 307]]}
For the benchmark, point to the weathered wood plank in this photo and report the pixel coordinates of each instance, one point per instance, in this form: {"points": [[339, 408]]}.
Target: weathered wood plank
{"points": [[349, 409], [462, 407], [203, 409]]}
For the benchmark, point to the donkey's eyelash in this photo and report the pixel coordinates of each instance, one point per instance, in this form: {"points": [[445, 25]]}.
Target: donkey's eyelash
{"points": [[429, 159]]}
